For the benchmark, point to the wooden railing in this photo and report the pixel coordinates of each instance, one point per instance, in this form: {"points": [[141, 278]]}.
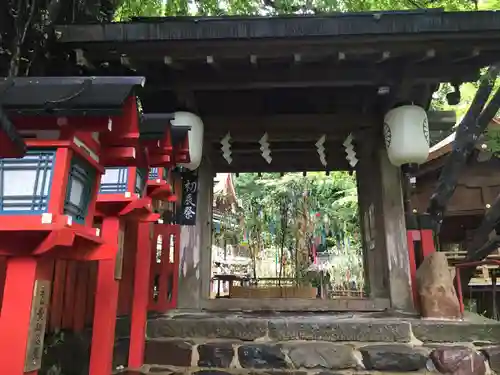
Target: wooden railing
{"points": [[483, 273]]}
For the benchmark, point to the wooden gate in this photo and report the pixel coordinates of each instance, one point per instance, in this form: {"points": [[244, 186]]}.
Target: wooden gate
{"points": [[164, 277]]}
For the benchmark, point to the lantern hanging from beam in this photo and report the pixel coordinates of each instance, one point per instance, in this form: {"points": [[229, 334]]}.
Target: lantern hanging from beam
{"points": [[195, 137], [406, 133]]}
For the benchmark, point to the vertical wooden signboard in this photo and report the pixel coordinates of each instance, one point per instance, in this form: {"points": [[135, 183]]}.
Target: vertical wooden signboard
{"points": [[189, 200], [38, 321]]}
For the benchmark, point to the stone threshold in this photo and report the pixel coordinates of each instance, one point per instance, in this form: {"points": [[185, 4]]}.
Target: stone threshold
{"points": [[348, 327], [170, 370], [216, 371], [295, 304]]}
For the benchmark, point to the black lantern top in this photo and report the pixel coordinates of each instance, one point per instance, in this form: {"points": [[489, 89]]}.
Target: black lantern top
{"points": [[179, 134], [153, 126], [9, 132], [67, 96]]}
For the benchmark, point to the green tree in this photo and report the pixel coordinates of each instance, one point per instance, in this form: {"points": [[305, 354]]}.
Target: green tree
{"points": [[140, 8], [287, 212]]}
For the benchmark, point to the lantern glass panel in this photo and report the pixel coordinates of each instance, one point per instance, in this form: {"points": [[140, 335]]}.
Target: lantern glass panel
{"points": [[140, 180], [25, 183], [114, 180], [153, 173], [77, 189], [79, 192]]}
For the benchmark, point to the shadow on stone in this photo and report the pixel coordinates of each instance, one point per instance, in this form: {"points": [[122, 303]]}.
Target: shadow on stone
{"points": [[215, 355], [393, 358], [261, 356]]}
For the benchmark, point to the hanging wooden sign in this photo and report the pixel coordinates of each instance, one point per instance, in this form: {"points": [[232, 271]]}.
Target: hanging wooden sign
{"points": [[119, 255], [189, 200], [38, 321]]}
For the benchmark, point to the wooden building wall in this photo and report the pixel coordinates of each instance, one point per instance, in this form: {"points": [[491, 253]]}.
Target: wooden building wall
{"points": [[477, 187]]}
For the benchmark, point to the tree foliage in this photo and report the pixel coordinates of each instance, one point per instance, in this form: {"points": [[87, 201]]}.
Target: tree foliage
{"points": [[139, 8], [290, 212]]}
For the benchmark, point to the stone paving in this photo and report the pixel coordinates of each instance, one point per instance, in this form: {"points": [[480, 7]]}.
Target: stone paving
{"points": [[319, 344], [368, 327]]}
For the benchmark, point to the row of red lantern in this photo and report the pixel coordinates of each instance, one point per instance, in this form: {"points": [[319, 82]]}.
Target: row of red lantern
{"points": [[75, 130]]}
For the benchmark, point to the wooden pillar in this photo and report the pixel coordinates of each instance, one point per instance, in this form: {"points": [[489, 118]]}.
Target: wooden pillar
{"points": [[22, 274], [141, 296], [391, 216], [206, 234], [195, 247], [369, 191], [106, 305], [383, 224]]}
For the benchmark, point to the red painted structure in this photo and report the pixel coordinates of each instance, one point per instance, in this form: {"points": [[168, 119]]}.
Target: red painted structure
{"points": [[420, 244], [55, 221], [164, 268], [95, 273]]}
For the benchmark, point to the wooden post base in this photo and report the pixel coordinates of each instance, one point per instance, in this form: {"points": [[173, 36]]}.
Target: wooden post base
{"points": [[21, 275], [140, 299], [106, 305]]}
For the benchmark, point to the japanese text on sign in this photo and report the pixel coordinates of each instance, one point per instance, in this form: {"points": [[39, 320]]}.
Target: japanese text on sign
{"points": [[38, 321], [189, 198]]}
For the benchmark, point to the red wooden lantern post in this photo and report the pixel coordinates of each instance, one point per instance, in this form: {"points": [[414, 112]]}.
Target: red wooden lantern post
{"points": [[122, 201], [162, 293], [47, 198], [117, 210], [157, 135]]}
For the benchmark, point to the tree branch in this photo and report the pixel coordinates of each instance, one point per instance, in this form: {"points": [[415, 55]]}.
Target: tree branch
{"points": [[16, 42], [470, 128]]}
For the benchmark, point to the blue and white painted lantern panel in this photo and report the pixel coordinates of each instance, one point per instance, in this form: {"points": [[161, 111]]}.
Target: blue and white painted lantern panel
{"points": [[153, 173], [114, 180], [25, 183]]}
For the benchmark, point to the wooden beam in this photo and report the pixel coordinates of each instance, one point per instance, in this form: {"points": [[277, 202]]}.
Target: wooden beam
{"points": [[254, 52], [280, 135], [278, 168], [291, 127], [300, 124], [280, 147], [307, 75], [171, 63], [409, 26], [187, 99], [281, 162]]}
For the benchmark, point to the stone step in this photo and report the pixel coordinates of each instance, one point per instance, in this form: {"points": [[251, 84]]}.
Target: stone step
{"points": [[367, 327], [313, 344], [222, 357], [169, 370]]}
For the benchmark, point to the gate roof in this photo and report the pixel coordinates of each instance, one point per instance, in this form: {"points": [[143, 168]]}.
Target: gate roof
{"points": [[295, 77]]}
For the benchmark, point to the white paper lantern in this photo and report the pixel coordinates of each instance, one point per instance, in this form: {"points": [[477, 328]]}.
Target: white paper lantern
{"points": [[406, 133], [195, 137]]}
